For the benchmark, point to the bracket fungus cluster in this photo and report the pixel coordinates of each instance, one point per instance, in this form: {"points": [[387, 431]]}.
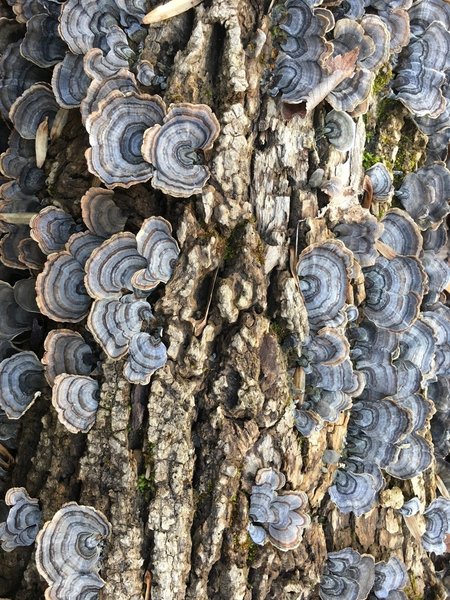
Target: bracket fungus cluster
{"points": [[68, 550], [22, 523], [276, 516], [352, 576]]}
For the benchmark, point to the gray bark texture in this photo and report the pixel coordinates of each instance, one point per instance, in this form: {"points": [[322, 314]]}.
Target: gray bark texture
{"points": [[172, 464]]}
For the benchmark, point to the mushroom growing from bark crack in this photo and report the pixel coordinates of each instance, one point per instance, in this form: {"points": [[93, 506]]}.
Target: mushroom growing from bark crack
{"points": [[22, 523], [176, 148]]}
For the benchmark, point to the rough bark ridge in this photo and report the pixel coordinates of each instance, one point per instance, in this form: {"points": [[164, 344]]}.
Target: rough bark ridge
{"points": [[172, 465]]}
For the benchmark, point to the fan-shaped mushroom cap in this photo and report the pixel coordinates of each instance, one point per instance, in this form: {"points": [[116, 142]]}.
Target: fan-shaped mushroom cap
{"points": [[394, 290], [25, 294], [401, 233], [9, 244], [21, 377], [69, 81], [371, 449], [81, 245], [31, 108], [347, 574], [75, 398], [437, 518], [376, 30], [424, 12], [145, 72], [82, 23], [439, 318], [389, 576], [146, 355], [295, 78], [353, 492], [410, 508], [51, 229], [25, 9], [328, 347], [22, 523], [173, 149], [16, 75], [113, 323], [419, 408], [42, 44], [438, 272], [328, 405], [60, 290], [30, 254], [10, 32], [417, 344], [99, 89], [340, 130], [425, 195], [116, 131], [352, 92], [382, 420], [397, 23], [338, 378], [415, 456], [160, 249], [110, 268], [100, 213], [15, 319], [359, 231], [66, 352], [69, 546], [381, 181], [435, 239], [278, 516], [324, 271], [83, 585]]}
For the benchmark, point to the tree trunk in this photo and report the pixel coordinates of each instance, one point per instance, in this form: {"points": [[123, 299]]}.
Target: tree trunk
{"points": [[172, 464]]}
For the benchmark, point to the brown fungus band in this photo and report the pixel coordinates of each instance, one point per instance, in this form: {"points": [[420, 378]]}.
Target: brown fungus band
{"points": [[175, 149]]}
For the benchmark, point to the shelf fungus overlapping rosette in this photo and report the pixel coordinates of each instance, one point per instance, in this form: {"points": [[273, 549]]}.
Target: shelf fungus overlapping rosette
{"points": [[100, 213], [22, 523], [111, 266], [42, 44], [69, 81], [113, 323], [75, 398], [15, 320], [61, 293], [421, 72], [116, 131], [390, 576], [359, 231], [66, 352], [324, 271], [347, 575], [176, 149], [394, 292], [68, 550], [35, 105], [99, 89], [146, 355], [156, 244], [51, 228], [355, 489], [276, 517], [425, 195], [437, 525], [401, 234], [417, 345], [16, 75], [21, 381]]}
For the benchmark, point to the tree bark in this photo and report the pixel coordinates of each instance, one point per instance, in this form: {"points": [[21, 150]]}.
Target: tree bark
{"points": [[172, 464]]}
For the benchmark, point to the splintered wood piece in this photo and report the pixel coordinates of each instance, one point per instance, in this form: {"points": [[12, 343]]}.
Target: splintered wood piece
{"points": [[41, 143], [168, 10]]}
